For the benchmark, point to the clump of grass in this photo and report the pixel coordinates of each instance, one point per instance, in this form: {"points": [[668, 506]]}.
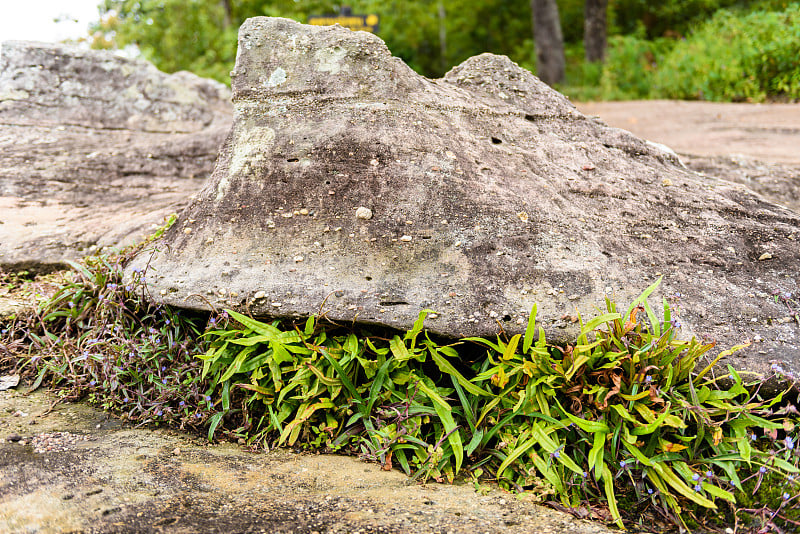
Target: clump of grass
{"points": [[623, 416]]}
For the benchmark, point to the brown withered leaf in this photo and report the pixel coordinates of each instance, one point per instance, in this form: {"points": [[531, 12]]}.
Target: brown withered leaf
{"points": [[617, 380], [631, 323], [673, 447], [654, 398], [387, 464]]}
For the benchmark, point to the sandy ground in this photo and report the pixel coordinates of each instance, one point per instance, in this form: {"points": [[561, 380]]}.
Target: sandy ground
{"points": [[766, 132]]}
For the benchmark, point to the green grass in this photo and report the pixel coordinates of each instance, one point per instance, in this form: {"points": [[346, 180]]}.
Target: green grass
{"points": [[625, 418]]}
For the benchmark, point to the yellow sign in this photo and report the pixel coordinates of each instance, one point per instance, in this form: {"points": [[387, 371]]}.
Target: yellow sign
{"points": [[362, 23]]}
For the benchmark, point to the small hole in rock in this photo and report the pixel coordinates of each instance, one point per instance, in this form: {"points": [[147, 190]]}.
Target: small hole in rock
{"points": [[292, 160], [368, 278], [530, 118], [496, 141], [506, 317]]}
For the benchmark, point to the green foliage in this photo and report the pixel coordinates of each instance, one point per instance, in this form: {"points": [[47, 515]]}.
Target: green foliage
{"points": [[663, 19], [736, 58], [623, 415], [99, 338], [631, 63]]}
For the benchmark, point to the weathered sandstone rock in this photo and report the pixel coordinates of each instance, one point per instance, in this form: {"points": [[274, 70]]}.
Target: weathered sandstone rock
{"points": [[95, 149], [352, 187]]}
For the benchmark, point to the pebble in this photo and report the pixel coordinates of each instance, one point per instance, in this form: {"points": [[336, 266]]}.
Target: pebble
{"points": [[363, 213], [187, 231], [55, 441], [406, 238], [765, 256]]}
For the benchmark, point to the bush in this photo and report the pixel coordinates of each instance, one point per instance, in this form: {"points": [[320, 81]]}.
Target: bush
{"points": [[735, 58], [631, 64]]}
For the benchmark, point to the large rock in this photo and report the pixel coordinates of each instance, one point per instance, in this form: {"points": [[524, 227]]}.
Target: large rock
{"points": [[352, 187], [95, 149]]}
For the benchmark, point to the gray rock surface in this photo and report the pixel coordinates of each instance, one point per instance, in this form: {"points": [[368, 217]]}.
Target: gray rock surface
{"points": [[488, 192], [95, 149], [72, 468]]}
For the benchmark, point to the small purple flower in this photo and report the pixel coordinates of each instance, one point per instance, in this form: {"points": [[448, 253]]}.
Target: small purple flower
{"points": [[623, 464], [159, 413], [197, 415], [93, 382], [208, 398], [556, 454], [695, 477], [650, 491], [163, 368], [789, 443], [786, 496], [762, 469], [709, 474], [585, 474], [698, 487], [790, 478], [648, 379], [181, 403], [753, 436], [163, 380]]}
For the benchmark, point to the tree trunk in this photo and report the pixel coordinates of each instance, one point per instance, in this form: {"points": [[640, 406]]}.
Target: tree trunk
{"points": [[226, 6], [548, 41], [594, 29], [442, 37]]}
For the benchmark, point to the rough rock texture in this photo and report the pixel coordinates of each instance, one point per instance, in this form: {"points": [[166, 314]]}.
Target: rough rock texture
{"points": [[95, 149], [487, 192], [73, 468]]}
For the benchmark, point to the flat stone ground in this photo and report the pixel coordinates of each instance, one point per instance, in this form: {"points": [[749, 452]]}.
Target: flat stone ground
{"points": [[766, 132], [76, 469]]}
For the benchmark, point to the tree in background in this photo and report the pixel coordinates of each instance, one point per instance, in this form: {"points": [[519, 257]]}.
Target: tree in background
{"points": [[594, 29], [550, 61], [200, 35]]}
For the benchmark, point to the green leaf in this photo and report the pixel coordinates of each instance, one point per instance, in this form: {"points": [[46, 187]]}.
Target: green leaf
{"points": [[213, 423], [432, 394], [256, 326], [399, 349], [348, 384], [652, 427], [511, 348], [516, 453], [529, 331], [597, 321], [676, 482], [445, 367], [587, 426], [643, 297], [596, 454], [454, 438], [611, 499]]}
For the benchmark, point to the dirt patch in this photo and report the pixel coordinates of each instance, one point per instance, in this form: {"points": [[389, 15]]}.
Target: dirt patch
{"points": [[766, 132], [104, 477]]}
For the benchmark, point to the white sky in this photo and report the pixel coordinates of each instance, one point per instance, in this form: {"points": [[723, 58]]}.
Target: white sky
{"points": [[33, 20]]}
